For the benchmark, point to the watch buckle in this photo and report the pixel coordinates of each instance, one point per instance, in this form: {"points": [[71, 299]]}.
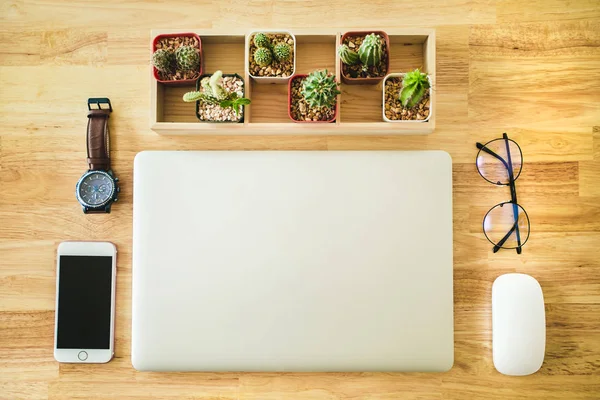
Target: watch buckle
{"points": [[98, 101]]}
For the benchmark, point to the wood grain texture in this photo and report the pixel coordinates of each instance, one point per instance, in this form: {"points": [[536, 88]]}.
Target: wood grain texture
{"points": [[531, 69]]}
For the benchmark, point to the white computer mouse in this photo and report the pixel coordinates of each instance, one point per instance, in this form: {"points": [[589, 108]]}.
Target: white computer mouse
{"points": [[518, 324]]}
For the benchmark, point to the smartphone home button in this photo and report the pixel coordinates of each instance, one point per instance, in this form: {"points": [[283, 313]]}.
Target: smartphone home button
{"points": [[83, 355]]}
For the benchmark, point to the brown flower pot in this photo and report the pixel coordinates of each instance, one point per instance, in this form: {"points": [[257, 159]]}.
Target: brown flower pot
{"points": [[366, 81], [180, 82], [290, 98]]}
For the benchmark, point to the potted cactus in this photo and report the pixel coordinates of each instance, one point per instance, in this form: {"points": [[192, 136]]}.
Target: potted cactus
{"points": [[313, 98], [177, 58], [406, 97], [219, 98], [271, 56], [364, 57]]}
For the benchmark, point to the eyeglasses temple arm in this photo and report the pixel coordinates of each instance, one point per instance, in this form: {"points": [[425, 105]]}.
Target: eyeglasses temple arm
{"points": [[513, 193]]}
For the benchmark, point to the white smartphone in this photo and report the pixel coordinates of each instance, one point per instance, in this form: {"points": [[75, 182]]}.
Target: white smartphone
{"points": [[85, 302]]}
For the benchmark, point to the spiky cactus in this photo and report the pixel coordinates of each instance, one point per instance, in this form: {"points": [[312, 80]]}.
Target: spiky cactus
{"points": [[188, 58], [348, 56], [262, 40], [320, 89], [263, 56], [282, 52], [216, 86], [414, 86], [371, 50], [163, 60]]}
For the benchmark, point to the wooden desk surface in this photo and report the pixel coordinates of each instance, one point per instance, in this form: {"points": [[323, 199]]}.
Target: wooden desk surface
{"points": [[529, 68]]}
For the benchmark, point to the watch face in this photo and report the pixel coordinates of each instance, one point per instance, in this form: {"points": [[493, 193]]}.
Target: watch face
{"points": [[95, 188]]}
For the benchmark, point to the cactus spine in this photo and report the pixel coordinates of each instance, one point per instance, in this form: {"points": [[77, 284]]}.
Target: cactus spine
{"points": [[371, 50], [320, 89]]}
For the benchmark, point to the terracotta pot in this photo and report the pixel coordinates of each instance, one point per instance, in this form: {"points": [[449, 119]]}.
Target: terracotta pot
{"points": [[221, 122], [300, 76], [182, 81], [365, 81]]}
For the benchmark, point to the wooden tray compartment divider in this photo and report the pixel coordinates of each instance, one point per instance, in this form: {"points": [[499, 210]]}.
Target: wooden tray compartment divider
{"points": [[359, 105]]}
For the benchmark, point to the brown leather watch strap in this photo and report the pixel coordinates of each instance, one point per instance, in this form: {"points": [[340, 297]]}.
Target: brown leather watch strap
{"points": [[98, 141]]}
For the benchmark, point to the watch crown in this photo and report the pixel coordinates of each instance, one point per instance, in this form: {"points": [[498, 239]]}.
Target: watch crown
{"points": [[116, 179], [116, 199]]}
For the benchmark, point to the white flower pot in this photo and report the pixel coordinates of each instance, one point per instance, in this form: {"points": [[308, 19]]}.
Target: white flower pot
{"points": [[386, 119], [269, 79]]}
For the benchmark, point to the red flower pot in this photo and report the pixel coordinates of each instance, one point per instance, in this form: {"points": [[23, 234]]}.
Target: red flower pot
{"points": [[366, 81], [181, 81], [300, 76]]}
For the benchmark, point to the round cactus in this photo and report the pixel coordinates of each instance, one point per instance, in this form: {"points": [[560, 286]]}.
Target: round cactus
{"points": [[371, 50], [263, 56], [320, 89], [262, 40], [348, 56], [282, 52], [188, 58], [163, 60]]}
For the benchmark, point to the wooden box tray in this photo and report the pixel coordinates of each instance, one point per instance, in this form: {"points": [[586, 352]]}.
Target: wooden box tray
{"points": [[359, 105]]}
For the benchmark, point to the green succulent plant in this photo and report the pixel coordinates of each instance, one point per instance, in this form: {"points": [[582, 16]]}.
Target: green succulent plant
{"points": [[282, 52], [188, 58], [263, 56], [163, 60], [216, 85], [414, 85], [262, 40], [213, 92], [320, 89], [370, 51], [348, 56]]}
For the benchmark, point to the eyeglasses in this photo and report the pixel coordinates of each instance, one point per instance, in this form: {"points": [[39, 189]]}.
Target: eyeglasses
{"points": [[506, 225]]}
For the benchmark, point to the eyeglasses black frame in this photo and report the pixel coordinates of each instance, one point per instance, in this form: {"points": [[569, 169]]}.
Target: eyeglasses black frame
{"points": [[513, 193]]}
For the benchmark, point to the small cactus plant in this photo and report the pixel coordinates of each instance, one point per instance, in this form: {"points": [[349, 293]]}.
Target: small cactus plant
{"points": [[213, 92], [371, 50], [348, 56], [320, 89], [163, 60], [263, 56], [188, 58], [262, 40], [216, 85], [414, 86], [282, 52]]}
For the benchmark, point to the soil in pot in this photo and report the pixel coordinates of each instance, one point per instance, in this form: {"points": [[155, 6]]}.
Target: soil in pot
{"points": [[394, 109], [357, 71], [172, 44], [214, 112], [301, 111], [276, 68]]}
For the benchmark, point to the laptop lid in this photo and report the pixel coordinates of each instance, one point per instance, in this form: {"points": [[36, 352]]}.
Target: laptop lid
{"points": [[292, 261]]}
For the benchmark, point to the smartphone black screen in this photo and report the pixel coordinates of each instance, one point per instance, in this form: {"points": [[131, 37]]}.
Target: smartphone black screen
{"points": [[84, 297]]}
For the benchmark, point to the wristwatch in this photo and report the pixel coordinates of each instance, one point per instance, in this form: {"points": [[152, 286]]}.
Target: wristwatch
{"points": [[97, 188]]}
